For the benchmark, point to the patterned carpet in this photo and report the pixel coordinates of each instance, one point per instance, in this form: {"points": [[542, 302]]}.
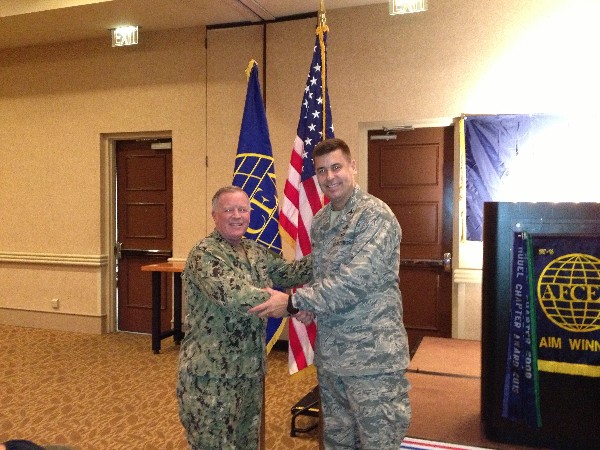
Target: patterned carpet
{"points": [[110, 391]]}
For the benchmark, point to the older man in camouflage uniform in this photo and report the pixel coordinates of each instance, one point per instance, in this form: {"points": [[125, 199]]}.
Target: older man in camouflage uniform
{"points": [[222, 358], [362, 348]]}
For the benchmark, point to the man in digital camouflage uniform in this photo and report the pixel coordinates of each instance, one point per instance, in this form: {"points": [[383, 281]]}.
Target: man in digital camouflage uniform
{"points": [[222, 358], [362, 348]]}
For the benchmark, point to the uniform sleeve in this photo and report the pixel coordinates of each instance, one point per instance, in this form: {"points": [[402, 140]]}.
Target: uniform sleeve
{"points": [[221, 280], [289, 274], [370, 265]]}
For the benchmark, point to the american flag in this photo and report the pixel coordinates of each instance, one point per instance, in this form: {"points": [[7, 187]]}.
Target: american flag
{"points": [[302, 196]]}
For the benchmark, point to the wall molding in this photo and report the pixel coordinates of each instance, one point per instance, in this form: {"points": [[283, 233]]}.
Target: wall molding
{"points": [[467, 276], [54, 259]]}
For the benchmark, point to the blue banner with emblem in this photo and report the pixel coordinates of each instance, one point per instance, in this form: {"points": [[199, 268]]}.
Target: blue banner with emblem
{"points": [[554, 317], [567, 282], [254, 172]]}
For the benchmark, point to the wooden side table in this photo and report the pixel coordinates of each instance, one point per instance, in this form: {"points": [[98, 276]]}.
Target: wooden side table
{"points": [[157, 269]]}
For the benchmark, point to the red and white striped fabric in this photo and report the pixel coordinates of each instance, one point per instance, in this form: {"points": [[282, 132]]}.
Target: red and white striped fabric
{"points": [[302, 201], [302, 196]]}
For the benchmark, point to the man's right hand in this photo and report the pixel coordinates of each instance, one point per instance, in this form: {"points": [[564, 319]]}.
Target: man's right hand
{"points": [[276, 306]]}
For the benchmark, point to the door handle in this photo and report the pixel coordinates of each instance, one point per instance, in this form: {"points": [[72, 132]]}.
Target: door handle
{"points": [[117, 250], [146, 252], [447, 262], [421, 262]]}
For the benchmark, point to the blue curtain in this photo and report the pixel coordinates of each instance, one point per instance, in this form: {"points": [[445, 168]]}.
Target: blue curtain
{"points": [[492, 143]]}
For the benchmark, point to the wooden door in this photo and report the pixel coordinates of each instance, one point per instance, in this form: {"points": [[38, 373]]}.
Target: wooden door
{"points": [[144, 230], [412, 172]]}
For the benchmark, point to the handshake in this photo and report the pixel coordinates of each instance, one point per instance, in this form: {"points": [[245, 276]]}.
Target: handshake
{"points": [[277, 306]]}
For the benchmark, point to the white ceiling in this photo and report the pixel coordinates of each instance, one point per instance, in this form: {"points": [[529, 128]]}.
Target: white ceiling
{"points": [[33, 22]]}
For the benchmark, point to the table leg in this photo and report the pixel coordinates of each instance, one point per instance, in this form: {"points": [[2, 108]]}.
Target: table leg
{"points": [[156, 294], [177, 333]]}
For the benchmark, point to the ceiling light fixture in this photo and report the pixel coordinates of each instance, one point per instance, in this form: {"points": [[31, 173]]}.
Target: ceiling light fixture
{"points": [[122, 36], [407, 6]]}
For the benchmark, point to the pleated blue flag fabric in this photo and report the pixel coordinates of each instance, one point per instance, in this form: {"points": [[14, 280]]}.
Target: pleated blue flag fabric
{"points": [[254, 172], [495, 148]]}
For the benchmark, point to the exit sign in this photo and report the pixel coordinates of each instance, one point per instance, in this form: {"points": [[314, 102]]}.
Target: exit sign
{"points": [[124, 36], [407, 6]]}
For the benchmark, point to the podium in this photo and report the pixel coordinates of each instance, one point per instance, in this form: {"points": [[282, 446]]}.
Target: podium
{"points": [[568, 402]]}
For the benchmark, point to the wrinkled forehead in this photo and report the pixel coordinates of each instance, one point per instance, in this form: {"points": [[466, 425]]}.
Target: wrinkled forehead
{"points": [[233, 199]]}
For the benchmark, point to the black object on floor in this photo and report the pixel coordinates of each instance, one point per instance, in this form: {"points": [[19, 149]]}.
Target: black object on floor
{"points": [[309, 405]]}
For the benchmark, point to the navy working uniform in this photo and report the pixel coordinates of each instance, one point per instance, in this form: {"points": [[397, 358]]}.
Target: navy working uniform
{"points": [[223, 358]]}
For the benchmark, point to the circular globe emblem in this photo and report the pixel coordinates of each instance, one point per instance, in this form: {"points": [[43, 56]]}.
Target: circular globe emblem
{"points": [[569, 292]]}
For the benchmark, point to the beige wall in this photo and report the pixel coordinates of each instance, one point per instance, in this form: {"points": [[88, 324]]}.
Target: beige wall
{"points": [[61, 105], [229, 52]]}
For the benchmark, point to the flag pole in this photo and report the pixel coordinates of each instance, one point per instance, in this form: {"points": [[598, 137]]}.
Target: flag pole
{"points": [[322, 19], [321, 30]]}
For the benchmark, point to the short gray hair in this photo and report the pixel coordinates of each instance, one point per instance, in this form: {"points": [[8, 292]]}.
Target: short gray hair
{"points": [[224, 190]]}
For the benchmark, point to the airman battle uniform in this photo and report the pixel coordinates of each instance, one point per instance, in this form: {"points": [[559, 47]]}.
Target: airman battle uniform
{"points": [[222, 359], [361, 348]]}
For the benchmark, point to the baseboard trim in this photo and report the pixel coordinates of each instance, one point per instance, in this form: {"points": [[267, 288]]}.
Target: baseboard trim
{"points": [[53, 321]]}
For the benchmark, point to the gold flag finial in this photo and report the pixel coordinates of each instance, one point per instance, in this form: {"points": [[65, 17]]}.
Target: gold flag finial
{"points": [[249, 68], [322, 19]]}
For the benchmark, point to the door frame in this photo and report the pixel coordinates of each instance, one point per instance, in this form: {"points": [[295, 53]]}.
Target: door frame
{"points": [[108, 220], [362, 159]]}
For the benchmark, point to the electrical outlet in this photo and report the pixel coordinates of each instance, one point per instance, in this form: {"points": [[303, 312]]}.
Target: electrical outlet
{"points": [[54, 303]]}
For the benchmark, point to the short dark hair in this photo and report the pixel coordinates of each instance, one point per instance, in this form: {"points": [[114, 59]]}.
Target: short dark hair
{"points": [[331, 145], [224, 190]]}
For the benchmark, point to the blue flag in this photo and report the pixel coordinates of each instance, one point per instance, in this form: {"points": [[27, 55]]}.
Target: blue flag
{"points": [[254, 172]]}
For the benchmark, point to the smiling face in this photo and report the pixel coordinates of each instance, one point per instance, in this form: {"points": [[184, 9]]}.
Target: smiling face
{"points": [[232, 216], [335, 174]]}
